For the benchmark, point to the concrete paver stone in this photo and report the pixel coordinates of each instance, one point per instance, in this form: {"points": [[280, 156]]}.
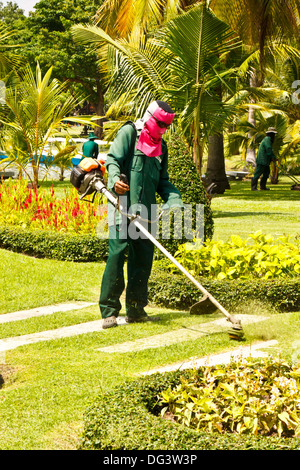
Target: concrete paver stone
{"points": [[39, 311]]}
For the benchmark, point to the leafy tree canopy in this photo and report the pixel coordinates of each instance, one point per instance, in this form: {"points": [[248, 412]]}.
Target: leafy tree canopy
{"points": [[45, 37], [10, 13]]}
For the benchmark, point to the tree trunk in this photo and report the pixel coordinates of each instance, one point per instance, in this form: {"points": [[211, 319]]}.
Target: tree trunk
{"points": [[197, 155], [34, 183], [216, 175], [99, 108], [251, 156], [197, 146], [274, 174]]}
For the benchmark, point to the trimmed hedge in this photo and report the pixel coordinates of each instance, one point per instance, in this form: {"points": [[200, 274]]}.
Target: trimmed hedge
{"points": [[184, 175], [176, 291], [165, 289], [128, 418], [43, 244]]}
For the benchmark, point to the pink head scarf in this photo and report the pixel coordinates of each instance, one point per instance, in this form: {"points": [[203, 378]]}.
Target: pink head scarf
{"points": [[152, 128]]}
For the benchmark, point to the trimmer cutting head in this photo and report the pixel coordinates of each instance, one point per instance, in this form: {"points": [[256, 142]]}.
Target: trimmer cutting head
{"points": [[236, 332]]}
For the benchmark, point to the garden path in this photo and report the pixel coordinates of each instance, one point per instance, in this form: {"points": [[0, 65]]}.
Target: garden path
{"points": [[155, 341]]}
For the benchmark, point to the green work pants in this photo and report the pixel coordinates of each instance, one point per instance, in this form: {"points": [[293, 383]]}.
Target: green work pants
{"points": [[139, 264], [264, 172]]}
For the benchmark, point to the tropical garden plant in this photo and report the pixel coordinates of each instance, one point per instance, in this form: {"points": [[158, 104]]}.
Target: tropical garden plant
{"points": [[247, 396], [8, 57], [180, 63], [260, 46], [267, 30], [259, 256], [35, 108], [43, 210]]}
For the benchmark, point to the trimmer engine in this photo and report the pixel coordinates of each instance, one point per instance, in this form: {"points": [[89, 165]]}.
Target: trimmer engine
{"points": [[86, 174]]}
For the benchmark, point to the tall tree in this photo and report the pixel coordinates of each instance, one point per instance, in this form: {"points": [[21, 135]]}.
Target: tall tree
{"points": [[125, 18], [261, 25], [10, 14], [132, 20], [46, 37]]}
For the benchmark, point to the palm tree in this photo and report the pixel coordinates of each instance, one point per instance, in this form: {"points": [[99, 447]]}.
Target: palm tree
{"points": [[180, 64], [124, 18], [35, 108], [265, 28], [275, 107]]}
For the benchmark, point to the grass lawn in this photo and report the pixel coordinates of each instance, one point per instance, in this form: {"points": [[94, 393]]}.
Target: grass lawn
{"points": [[49, 384], [242, 211]]}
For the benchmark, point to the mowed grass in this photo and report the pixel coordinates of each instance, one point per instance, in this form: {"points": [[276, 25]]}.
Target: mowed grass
{"points": [[241, 211], [28, 282], [48, 385]]}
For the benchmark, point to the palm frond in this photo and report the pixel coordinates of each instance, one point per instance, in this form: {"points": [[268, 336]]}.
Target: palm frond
{"points": [[35, 107]]}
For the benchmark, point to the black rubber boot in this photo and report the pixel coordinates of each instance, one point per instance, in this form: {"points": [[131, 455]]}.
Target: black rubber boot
{"points": [[253, 185]]}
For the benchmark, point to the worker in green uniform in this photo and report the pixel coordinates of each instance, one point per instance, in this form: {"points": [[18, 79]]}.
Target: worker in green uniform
{"points": [[265, 156], [139, 152], [90, 148]]}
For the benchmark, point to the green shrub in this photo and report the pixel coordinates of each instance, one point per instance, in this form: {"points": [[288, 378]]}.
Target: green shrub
{"points": [[183, 174], [128, 418], [258, 256], [43, 244], [174, 290], [246, 397]]}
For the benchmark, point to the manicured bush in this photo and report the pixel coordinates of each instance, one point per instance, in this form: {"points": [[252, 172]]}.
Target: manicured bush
{"points": [[183, 174], [174, 290], [47, 244], [128, 418]]}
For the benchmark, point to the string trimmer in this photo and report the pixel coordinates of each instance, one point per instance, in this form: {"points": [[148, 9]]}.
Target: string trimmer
{"points": [[296, 185], [88, 178]]}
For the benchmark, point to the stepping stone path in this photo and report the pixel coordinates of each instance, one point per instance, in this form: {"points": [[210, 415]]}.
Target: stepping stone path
{"points": [[224, 358], [36, 312], [175, 336], [155, 341]]}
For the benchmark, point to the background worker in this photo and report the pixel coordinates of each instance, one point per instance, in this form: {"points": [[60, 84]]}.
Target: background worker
{"points": [[90, 148], [265, 156], [139, 152]]}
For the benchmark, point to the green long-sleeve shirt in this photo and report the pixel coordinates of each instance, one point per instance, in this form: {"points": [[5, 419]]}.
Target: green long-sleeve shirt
{"points": [[90, 149], [265, 152], [146, 175]]}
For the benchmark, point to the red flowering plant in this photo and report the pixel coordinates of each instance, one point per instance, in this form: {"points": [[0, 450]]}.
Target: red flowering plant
{"points": [[20, 206]]}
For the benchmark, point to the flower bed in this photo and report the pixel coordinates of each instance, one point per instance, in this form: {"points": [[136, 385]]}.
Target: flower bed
{"points": [[43, 210], [245, 397], [129, 418]]}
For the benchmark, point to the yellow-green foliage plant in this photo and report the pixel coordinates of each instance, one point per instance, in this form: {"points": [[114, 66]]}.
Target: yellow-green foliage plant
{"points": [[259, 256], [248, 396]]}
